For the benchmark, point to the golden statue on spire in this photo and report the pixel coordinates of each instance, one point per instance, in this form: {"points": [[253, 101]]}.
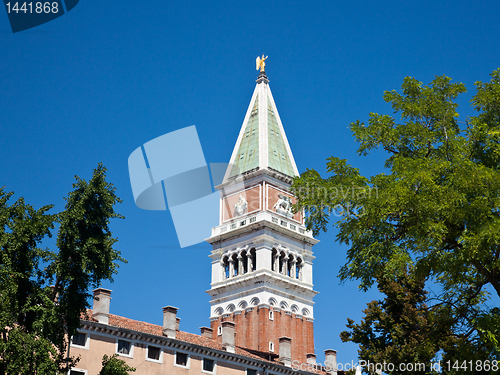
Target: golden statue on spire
{"points": [[260, 63]]}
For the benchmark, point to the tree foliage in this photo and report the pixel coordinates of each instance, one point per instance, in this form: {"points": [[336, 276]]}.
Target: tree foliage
{"points": [[401, 328], [43, 293], [114, 366], [436, 209]]}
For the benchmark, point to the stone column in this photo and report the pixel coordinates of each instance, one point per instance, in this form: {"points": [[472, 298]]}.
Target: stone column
{"points": [[249, 262], [240, 264], [223, 267], [231, 267], [284, 269]]}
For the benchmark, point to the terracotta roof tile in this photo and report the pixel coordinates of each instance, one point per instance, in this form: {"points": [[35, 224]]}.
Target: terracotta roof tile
{"points": [[154, 329]]}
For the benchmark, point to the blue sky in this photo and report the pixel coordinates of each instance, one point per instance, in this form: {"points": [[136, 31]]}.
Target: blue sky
{"points": [[98, 82]]}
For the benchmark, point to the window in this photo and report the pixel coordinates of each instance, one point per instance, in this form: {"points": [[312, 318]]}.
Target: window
{"points": [[271, 346], [208, 365], [154, 353], [79, 339], [219, 330], [181, 359], [271, 315], [251, 371], [124, 347]]}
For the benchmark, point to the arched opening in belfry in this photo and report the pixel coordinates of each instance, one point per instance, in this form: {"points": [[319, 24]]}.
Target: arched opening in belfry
{"points": [[298, 269], [244, 261], [225, 266], [253, 260], [282, 263], [234, 258]]}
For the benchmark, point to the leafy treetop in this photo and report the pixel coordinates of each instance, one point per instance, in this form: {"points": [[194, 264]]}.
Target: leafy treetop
{"points": [[44, 293]]}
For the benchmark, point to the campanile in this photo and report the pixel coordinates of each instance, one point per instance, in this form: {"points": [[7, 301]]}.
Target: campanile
{"points": [[262, 253]]}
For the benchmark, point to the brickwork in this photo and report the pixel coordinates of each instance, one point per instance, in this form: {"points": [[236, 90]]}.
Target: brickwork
{"points": [[252, 196], [254, 330]]}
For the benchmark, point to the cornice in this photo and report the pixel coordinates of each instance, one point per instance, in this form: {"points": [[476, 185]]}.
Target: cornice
{"points": [[175, 344]]}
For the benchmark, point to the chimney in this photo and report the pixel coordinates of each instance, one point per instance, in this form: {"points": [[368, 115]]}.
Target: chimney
{"points": [[286, 350], [207, 332], [177, 323], [228, 336], [169, 321], [311, 358], [100, 310], [331, 361]]}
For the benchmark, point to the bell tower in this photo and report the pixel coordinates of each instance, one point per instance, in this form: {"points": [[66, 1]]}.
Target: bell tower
{"points": [[262, 253]]}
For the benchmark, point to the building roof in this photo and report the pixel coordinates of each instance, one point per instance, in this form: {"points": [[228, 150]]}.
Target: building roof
{"points": [[191, 338], [262, 143]]}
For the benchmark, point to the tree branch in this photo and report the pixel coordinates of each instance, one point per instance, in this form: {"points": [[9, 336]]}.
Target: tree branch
{"points": [[489, 275], [387, 148]]}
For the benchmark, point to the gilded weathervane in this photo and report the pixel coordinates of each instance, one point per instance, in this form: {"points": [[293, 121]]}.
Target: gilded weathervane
{"points": [[260, 63]]}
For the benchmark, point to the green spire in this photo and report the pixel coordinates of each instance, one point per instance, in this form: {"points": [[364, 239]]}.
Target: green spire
{"points": [[262, 143], [247, 157], [278, 154]]}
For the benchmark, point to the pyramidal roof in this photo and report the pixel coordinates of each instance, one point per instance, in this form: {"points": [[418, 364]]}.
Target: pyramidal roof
{"points": [[262, 143]]}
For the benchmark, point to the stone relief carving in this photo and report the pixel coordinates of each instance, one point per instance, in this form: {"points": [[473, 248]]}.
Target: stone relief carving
{"points": [[240, 207], [284, 205]]}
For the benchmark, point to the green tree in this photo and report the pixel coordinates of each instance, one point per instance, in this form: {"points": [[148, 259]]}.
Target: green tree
{"points": [[401, 328], [36, 317], [114, 366], [436, 209]]}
